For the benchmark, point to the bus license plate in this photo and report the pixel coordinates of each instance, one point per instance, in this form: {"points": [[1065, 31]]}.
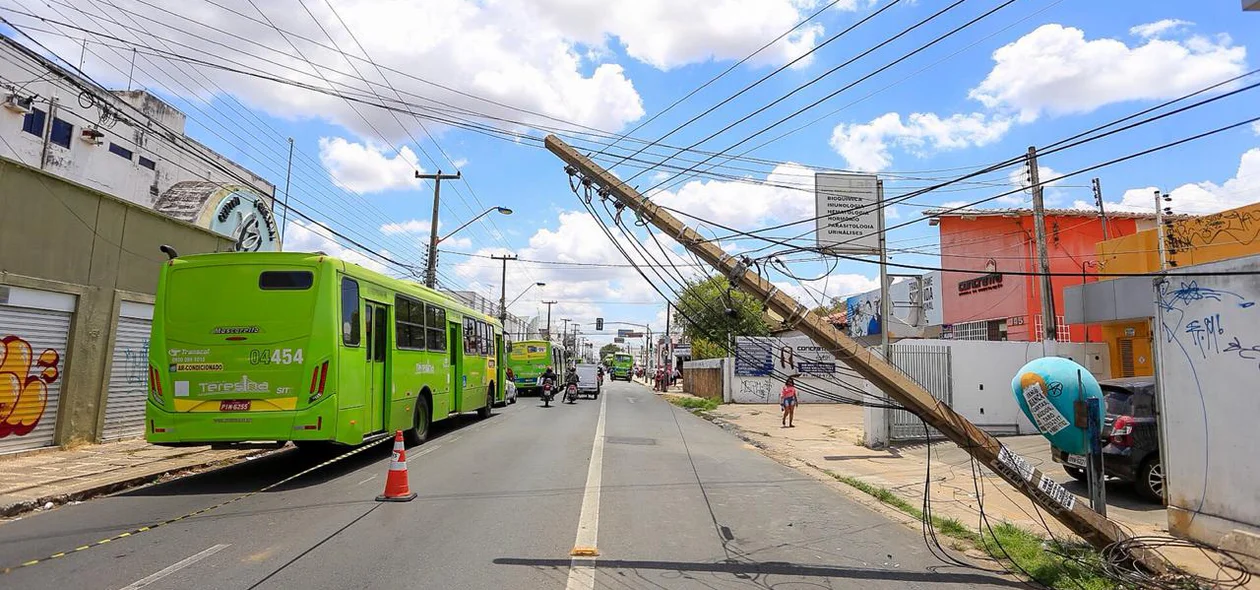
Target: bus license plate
{"points": [[1076, 461], [229, 405]]}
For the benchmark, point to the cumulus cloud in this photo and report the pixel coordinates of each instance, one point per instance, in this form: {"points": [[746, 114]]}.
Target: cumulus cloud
{"points": [[1159, 27], [316, 237], [866, 146], [787, 194], [364, 168], [1018, 178], [1056, 70], [1199, 197]]}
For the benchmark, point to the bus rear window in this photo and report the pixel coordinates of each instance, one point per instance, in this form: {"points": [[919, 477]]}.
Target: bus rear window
{"points": [[286, 280]]}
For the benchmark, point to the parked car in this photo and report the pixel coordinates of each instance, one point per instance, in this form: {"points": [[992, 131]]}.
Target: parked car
{"points": [[588, 380], [509, 392], [1130, 438]]}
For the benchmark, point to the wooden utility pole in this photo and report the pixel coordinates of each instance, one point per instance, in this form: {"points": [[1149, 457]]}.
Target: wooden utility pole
{"points": [[1051, 328], [549, 304], [430, 270], [503, 286], [1013, 468]]}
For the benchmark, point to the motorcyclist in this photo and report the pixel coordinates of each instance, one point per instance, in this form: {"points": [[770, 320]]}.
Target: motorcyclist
{"points": [[547, 374], [571, 376]]}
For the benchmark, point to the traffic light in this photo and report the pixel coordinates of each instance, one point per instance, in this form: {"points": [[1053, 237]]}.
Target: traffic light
{"points": [[599, 324]]}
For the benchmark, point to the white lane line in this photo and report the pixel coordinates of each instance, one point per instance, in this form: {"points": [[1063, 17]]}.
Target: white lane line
{"points": [[141, 583], [366, 480], [582, 568]]}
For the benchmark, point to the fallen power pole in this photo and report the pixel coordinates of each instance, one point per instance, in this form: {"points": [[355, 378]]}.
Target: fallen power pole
{"points": [[1047, 493]]}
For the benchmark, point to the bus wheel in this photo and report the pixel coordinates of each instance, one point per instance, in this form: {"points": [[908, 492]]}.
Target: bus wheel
{"points": [[488, 409], [420, 430]]}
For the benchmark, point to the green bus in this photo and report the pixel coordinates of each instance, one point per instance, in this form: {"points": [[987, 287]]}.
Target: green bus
{"points": [[622, 366], [528, 359], [274, 346]]}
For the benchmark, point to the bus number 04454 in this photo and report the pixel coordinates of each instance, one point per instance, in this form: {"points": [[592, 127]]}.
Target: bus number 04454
{"points": [[278, 356]]}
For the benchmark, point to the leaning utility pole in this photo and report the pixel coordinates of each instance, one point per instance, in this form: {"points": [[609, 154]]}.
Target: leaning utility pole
{"points": [[549, 304], [503, 286], [1051, 328], [430, 271], [1016, 470], [1102, 213]]}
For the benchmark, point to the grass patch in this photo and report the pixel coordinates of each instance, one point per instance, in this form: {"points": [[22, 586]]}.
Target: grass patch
{"points": [[1059, 566], [694, 403]]}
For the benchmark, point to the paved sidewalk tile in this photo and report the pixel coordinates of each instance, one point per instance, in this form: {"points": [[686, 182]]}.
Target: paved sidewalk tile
{"points": [[30, 480], [828, 437]]}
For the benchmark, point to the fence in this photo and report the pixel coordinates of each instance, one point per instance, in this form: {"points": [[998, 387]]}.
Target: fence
{"points": [[704, 378], [930, 366]]}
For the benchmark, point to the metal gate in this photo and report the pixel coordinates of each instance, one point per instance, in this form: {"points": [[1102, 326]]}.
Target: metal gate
{"points": [[128, 375], [930, 367], [33, 342]]}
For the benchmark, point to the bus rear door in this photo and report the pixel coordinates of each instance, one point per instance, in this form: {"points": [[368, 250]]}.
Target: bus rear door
{"points": [[455, 342], [376, 318]]}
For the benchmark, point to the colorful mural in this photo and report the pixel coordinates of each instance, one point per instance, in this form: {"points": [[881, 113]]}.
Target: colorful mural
{"points": [[23, 393]]}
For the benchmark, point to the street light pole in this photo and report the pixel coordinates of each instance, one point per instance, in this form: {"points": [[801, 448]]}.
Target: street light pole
{"points": [[549, 304], [430, 272]]}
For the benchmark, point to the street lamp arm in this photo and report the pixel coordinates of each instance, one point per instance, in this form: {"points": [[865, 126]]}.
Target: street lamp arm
{"points": [[518, 297], [503, 210]]}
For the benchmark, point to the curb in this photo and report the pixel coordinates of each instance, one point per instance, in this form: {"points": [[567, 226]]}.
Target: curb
{"points": [[24, 506]]}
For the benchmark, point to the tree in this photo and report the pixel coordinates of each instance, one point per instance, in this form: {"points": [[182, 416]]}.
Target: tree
{"points": [[608, 349], [710, 313]]}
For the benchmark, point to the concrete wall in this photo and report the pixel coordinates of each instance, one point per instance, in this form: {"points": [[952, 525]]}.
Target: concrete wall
{"points": [[62, 237], [1208, 335], [981, 374]]}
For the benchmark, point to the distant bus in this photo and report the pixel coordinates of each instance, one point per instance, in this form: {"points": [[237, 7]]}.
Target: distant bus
{"points": [[271, 346], [622, 365], [528, 359]]}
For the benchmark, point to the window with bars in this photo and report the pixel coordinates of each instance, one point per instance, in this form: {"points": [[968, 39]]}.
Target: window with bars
{"points": [[984, 330], [1063, 330]]}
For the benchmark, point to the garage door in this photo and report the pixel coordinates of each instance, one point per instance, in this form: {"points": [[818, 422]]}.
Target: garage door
{"points": [[34, 329], [128, 375]]}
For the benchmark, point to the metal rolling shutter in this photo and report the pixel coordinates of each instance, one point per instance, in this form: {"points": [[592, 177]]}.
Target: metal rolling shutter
{"points": [[24, 323], [128, 375]]}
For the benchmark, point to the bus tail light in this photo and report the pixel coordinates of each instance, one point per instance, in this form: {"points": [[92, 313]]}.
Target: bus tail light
{"points": [[319, 378], [155, 386]]}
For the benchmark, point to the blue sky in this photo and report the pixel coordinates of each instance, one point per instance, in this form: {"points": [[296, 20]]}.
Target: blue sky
{"points": [[1032, 73]]}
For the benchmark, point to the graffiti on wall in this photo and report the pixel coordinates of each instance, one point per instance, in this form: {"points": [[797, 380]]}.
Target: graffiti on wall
{"points": [[136, 365], [1228, 227], [24, 381]]}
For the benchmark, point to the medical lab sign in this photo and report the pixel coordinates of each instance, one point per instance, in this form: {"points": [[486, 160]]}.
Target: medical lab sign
{"points": [[850, 217]]}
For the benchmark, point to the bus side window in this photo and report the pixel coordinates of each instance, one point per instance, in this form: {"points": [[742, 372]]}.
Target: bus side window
{"points": [[380, 335], [436, 330], [350, 312]]}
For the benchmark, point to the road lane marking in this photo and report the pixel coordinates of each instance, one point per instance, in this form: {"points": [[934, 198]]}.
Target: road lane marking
{"points": [[141, 583], [365, 481], [582, 566]]}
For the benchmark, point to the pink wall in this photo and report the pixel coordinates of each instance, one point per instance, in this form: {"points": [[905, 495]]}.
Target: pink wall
{"points": [[1008, 242]]}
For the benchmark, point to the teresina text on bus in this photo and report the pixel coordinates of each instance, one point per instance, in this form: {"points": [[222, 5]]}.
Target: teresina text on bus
{"points": [[236, 330]]}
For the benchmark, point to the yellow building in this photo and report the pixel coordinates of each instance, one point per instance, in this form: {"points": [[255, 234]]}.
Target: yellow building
{"points": [[1188, 241]]}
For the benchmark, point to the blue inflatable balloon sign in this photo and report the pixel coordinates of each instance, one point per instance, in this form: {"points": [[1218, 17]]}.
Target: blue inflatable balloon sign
{"points": [[1047, 390]]}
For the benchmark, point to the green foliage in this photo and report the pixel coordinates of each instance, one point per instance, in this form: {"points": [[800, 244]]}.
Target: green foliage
{"points": [[694, 403], [608, 349], [710, 316]]}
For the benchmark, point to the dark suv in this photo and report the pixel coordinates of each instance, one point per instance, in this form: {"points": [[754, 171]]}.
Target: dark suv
{"points": [[1130, 438]]}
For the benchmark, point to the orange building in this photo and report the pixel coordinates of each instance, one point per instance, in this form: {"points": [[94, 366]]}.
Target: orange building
{"points": [[977, 246], [1188, 240]]}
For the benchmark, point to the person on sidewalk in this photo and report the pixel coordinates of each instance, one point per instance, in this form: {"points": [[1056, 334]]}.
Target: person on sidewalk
{"points": [[787, 401]]}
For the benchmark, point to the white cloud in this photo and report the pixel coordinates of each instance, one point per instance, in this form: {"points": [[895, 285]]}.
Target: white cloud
{"points": [[365, 168], [892, 212], [822, 292], [1018, 177], [788, 194], [866, 146], [1159, 27], [315, 237], [1201, 197], [411, 226], [1255, 127], [1055, 70]]}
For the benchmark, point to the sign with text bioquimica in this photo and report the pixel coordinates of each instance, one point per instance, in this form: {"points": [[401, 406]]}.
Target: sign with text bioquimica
{"points": [[850, 217]]}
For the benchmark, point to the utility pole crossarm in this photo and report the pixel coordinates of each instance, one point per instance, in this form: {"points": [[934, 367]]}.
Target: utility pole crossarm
{"points": [[1048, 494]]}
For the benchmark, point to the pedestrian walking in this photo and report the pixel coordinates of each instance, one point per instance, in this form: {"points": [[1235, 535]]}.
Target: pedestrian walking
{"points": [[787, 401]]}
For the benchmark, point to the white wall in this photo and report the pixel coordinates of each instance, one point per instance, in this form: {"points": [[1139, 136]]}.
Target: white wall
{"points": [[1208, 367], [94, 165], [804, 359]]}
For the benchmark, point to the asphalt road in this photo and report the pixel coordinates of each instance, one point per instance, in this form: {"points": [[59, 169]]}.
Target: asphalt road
{"points": [[668, 500]]}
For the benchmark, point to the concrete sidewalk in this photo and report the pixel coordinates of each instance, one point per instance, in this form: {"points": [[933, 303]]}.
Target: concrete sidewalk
{"points": [[826, 442], [30, 481]]}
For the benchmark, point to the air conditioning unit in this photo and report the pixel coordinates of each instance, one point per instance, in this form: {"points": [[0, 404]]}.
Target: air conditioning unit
{"points": [[19, 104], [91, 135]]}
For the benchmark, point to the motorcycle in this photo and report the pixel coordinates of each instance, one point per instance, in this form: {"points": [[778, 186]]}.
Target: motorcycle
{"points": [[571, 393], [548, 391]]}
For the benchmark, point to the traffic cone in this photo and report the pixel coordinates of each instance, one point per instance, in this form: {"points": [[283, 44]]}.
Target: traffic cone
{"points": [[396, 488]]}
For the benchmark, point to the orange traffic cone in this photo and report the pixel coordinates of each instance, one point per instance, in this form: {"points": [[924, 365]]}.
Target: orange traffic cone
{"points": [[396, 488]]}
